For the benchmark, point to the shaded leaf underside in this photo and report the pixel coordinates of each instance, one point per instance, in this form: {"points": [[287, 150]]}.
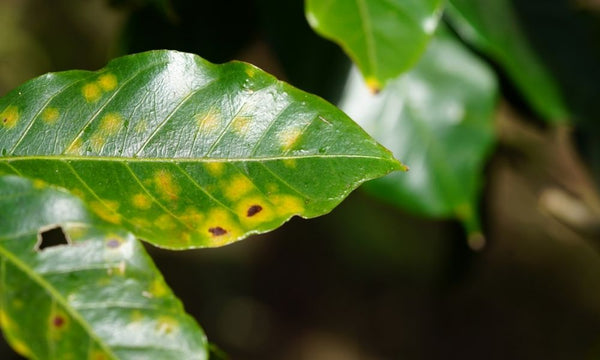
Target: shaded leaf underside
{"points": [[185, 153]]}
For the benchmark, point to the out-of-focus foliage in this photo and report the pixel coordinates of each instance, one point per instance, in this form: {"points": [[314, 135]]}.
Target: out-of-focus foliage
{"points": [[439, 118]]}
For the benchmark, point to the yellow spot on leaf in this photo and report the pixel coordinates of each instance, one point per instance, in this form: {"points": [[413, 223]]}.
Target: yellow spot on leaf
{"points": [[250, 71], [136, 316], [241, 124], [111, 124], [192, 217], [272, 188], [287, 204], [91, 92], [288, 137], [158, 288], [75, 147], [77, 192], [108, 82], [140, 223], [5, 321], [9, 117], [209, 122], [166, 325], [290, 163], [237, 187], [141, 201], [106, 211], [97, 141], [39, 184], [141, 126], [166, 185], [215, 168], [50, 115], [165, 222]]}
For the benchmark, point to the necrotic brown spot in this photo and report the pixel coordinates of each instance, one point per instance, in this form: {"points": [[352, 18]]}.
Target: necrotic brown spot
{"points": [[253, 210], [217, 231], [58, 321]]}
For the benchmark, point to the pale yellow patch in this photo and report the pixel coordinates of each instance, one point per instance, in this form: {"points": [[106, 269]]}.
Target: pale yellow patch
{"points": [[108, 82], [287, 204], [77, 231], [166, 325], [141, 201], [192, 217], [91, 92], [165, 222], [241, 124], [215, 168], [209, 122], [141, 126], [77, 192], [250, 71], [140, 223], [136, 316], [106, 211], [97, 141], [111, 124], [166, 185], [272, 188], [75, 148], [288, 138], [237, 187], [290, 163], [10, 116], [39, 184], [5, 321], [220, 228], [254, 210], [50, 115], [158, 288]]}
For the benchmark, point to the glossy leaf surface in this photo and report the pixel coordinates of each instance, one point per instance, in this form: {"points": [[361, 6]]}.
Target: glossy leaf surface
{"points": [[99, 297], [493, 26], [185, 153], [439, 118], [383, 37]]}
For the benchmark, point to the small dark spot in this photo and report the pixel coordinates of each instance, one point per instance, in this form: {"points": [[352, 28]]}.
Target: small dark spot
{"points": [[253, 210], [217, 231], [52, 237], [113, 243], [58, 321], [4, 120]]}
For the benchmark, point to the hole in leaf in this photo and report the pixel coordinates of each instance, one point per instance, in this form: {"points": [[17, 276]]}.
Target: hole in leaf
{"points": [[51, 237]]}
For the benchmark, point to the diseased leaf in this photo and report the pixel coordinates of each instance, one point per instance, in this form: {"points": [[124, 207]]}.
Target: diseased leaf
{"points": [[492, 26], [383, 37], [100, 297], [185, 153], [438, 117]]}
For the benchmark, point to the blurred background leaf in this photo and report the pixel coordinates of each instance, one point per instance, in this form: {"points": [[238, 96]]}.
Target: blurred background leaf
{"points": [[438, 118]]}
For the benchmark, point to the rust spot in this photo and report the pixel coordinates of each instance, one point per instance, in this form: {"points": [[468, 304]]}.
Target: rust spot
{"points": [[253, 210], [58, 321], [217, 231], [4, 120]]}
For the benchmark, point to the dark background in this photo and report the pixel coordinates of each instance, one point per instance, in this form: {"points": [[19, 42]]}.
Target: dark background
{"points": [[367, 281]]}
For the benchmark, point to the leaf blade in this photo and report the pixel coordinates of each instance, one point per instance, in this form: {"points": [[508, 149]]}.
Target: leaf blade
{"points": [[173, 148]]}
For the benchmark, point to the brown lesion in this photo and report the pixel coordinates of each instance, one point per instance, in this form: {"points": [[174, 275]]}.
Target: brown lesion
{"points": [[217, 231], [253, 210], [58, 321]]}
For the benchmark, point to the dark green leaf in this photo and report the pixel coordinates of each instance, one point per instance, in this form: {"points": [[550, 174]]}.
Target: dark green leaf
{"points": [[99, 297], [438, 117], [383, 37], [185, 153], [492, 26]]}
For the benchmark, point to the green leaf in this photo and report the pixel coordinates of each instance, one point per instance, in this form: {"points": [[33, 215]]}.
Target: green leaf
{"points": [[184, 153], [383, 37], [99, 297], [438, 117], [493, 26]]}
